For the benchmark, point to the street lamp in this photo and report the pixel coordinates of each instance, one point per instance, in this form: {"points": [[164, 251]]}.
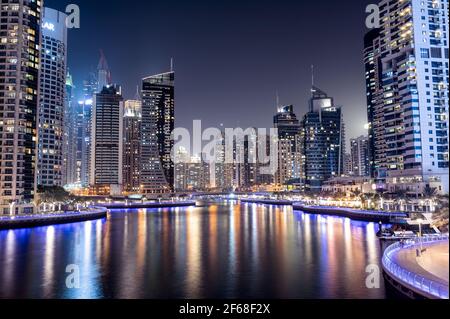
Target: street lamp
{"points": [[11, 208], [420, 221]]}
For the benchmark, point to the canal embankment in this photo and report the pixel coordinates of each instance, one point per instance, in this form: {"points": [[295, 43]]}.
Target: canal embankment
{"points": [[140, 205], [363, 215], [37, 220], [279, 202]]}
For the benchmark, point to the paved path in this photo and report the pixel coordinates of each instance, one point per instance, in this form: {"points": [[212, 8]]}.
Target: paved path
{"points": [[433, 264]]}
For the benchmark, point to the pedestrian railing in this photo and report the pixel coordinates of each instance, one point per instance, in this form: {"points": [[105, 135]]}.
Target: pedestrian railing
{"points": [[417, 281]]}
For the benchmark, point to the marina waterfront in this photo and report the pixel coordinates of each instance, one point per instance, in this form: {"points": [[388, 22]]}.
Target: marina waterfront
{"points": [[217, 250]]}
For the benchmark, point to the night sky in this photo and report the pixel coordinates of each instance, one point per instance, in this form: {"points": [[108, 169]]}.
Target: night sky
{"points": [[231, 56]]}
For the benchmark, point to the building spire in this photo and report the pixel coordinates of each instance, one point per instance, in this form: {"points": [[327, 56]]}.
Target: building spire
{"points": [[137, 97], [171, 64], [277, 100]]}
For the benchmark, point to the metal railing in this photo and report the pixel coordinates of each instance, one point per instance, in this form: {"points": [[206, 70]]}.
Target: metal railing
{"points": [[419, 282]]}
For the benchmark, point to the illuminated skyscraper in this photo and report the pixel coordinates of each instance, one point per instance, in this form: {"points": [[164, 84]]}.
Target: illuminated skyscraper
{"points": [[52, 98], [158, 121], [107, 142], [322, 142], [288, 145], [132, 120], [20, 55], [71, 171], [359, 148], [408, 110]]}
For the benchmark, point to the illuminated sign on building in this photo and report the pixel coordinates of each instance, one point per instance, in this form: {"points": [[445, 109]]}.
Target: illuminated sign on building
{"points": [[48, 26]]}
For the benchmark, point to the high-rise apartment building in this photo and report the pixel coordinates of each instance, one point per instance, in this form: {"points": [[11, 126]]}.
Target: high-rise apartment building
{"points": [[158, 121], [409, 106], [107, 142], [132, 120], [20, 55], [322, 142], [359, 148], [71, 170], [288, 145], [52, 98]]}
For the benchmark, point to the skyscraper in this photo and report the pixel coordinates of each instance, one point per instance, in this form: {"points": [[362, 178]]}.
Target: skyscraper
{"points": [[410, 107], [90, 87], [52, 98], [288, 145], [359, 148], [132, 120], [158, 121], [374, 116], [20, 54], [322, 143], [107, 142], [71, 171]]}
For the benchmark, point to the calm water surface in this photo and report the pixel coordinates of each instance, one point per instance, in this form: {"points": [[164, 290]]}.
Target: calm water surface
{"points": [[220, 250]]}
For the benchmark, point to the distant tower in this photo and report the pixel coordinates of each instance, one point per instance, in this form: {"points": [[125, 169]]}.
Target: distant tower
{"points": [[132, 120], [158, 122], [70, 172], [107, 142], [104, 74]]}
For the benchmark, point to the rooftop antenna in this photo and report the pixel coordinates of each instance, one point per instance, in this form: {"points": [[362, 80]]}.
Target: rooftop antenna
{"points": [[278, 100], [312, 80], [138, 95], [171, 64]]}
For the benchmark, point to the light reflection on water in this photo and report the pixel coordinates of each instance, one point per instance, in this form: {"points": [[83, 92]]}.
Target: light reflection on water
{"points": [[221, 250]]}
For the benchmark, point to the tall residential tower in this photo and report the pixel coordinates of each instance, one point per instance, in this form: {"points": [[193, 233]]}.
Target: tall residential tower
{"points": [[52, 98], [158, 121], [408, 110], [20, 54]]}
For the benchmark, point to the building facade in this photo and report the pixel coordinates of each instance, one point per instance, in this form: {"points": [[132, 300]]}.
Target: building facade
{"points": [[52, 98], [359, 148], [288, 145], [158, 122], [71, 173], [132, 120], [20, 54], [322, 142], [409, 105], [107, 142]]}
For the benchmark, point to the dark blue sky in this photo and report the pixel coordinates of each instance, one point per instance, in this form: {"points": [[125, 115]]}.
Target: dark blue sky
{"points": [[230, 55]]}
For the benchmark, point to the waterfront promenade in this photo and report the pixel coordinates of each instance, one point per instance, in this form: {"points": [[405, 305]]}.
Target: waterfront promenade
{"points": [[356, 214], [26, 221], [279, 202], [416, 274], [137, 205]]}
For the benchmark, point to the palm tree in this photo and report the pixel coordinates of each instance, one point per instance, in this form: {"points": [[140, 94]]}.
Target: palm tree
{"points": [[401, 195]]}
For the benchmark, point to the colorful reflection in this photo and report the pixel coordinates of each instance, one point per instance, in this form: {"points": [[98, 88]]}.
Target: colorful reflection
{"points": [[219, 250]]}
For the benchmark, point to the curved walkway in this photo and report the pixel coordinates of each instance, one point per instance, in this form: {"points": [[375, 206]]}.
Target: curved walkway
{"points": [[425, 275]]}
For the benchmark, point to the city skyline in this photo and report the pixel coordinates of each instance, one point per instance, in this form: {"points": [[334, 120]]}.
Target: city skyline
{"points": [[286, 40], [223, 149]]}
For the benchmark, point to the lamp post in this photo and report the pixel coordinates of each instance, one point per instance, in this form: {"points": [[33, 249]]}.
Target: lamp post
{"points": [[11, 208], [420, 234]]}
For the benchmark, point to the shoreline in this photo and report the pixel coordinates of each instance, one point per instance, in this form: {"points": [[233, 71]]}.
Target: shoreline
{"points": [[17, 222], [362, 215]]}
